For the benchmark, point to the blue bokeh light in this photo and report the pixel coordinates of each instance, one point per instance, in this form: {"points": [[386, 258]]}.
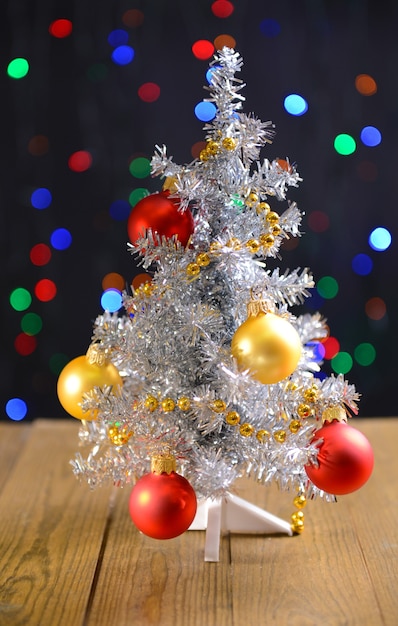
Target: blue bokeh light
{"points": [[370, 136], [61, 239], [362, 264], [123, 55], [41, 198], [295, 104], [380, 239], [120, 210], [270, 27], [118, 37], [111, 300], [205, 111], [16, 409]]}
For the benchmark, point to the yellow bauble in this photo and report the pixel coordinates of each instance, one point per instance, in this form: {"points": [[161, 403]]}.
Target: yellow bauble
{"points": [[268, 346], [79, 376]]}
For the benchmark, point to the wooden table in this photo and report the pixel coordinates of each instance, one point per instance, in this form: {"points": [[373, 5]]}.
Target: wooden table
{"points": [[72, 557]]}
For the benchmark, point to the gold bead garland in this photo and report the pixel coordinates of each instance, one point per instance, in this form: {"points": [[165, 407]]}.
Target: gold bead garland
{"points": [[299, 502], [232, 417], [119, 437]]}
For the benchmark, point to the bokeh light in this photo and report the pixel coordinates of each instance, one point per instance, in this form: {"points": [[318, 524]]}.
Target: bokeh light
{"points": [[203, 49], [45, 290], [122, 55], [365, 84], [362, 264], [97, 72], [80, 161], [375, 308], [140, 167], [25, 344], [141, 279], [40, 254], [365, 354], [318, 221], [224, 40], [380, 239], [57, 362], [270, 27], [332, 347], [113, 280], [41, 198], [119, 210], [342, 363], [197, 148], [327, 287], [61, 239], [20, 299], [318, 350], [31, 323], [344, 144], [367, 171], [16, 409], [295, 104], [38, 145], [118, 37], [205, 111], [137, 194], [111, 300], [370, 136], [18, 68], [222, 8], [60, 28], [133, 18], [149, 92]]}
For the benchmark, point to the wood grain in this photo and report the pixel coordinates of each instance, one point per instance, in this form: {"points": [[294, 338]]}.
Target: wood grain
{"points": [[72, 557]]}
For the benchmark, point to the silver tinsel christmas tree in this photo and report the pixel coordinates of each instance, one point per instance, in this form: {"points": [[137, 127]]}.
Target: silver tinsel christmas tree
{"points": [[216, 369]]}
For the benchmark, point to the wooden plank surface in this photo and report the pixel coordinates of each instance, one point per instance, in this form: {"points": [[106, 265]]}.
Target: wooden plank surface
{"points": [[51, 532], [72, 557]]}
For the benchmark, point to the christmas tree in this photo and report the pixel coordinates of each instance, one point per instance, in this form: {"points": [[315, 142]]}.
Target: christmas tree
{"points": [[208, 376]]}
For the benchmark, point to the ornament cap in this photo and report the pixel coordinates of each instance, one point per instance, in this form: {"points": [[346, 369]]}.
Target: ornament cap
{"points": [[334, 413], [163, 463], [95, 355]]}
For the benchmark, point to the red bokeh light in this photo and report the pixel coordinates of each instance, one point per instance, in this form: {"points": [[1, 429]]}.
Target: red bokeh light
{"points": [[60, 28], [149, 92], [80, 161], [40, 254], [45, 290], [222, 8], [25, 344], [332, 347], [203, 49]]}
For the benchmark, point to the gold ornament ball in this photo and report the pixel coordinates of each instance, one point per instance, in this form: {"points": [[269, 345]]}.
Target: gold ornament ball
{"points": [[79, 377], [268, 346]]}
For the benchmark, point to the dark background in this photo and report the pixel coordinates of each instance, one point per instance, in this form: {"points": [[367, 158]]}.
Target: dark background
{"points": [[80, 100]]}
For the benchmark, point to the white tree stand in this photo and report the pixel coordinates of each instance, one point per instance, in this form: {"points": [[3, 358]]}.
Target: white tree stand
{"points": [[235, 515]]}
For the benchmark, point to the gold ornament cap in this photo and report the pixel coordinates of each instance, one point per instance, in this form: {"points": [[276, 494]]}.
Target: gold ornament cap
{"points": [[163, 463], [96, 356], [334, 413]]}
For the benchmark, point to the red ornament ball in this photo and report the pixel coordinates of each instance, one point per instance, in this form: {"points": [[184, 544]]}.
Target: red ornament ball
{"points": [[345, 459], [160, 213], [162, 506]]}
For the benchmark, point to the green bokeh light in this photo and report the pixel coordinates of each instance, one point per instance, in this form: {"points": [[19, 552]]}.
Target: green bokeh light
{"points": [[18, 68], [137, 195], [140, 167], [345, 144], [20, 299], [31, 323], [58, 362], [341, 363], [365, 354], [328, 287]]}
